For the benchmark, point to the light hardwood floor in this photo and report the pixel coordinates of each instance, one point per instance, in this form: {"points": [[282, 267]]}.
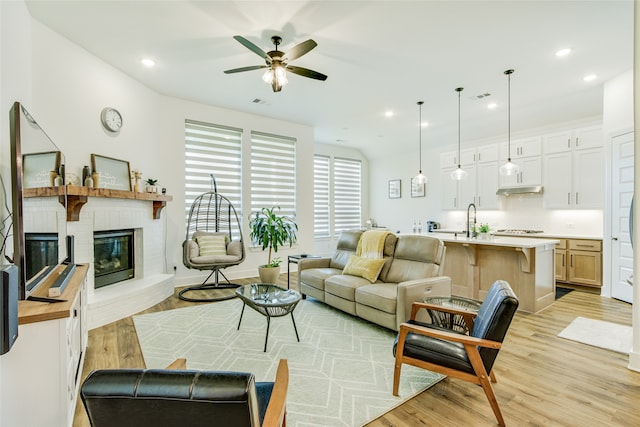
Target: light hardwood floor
{"points": [[542, 379]]}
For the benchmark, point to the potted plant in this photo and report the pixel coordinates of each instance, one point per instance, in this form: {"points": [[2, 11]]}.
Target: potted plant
{"points": [[484, 231], [271, 231], [151, 186]]}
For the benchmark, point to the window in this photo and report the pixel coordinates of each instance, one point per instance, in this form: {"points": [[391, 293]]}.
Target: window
{"points": [[213, 150], [347, 198], [273, 173], [321, 202]]}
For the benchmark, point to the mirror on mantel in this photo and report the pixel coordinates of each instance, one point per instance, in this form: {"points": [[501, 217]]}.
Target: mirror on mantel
{"points": [[38, 201]]}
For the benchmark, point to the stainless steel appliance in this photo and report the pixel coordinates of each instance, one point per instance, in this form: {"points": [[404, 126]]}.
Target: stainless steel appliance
{"points": [[432, 225]]}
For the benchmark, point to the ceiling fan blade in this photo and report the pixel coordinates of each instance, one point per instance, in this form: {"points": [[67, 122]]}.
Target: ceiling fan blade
{"points": [[241, 69], [252, 47], [305, 72], [300, 49]]}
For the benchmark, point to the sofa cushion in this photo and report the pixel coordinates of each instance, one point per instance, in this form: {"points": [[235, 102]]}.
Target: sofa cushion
{"points": [[367, 268], [347, 244], [316, 277], [344, 286], [381, 296], [415, 257]]}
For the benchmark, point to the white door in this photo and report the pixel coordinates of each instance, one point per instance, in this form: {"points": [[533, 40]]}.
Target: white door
{"points": [[621, 194]]}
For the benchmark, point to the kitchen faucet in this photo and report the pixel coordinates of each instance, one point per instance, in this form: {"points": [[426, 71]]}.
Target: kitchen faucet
{"points": [[469, 232]]}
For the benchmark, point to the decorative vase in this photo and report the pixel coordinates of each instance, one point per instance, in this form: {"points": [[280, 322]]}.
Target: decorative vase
{"points": [[52, 178], [136, 185], [96, 179], [269, 274]]}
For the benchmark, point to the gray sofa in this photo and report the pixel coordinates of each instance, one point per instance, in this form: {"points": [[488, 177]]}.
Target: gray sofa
{"points": [[411, 272]]}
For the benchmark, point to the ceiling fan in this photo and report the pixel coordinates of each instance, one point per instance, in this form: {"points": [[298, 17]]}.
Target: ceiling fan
{"points": [[277, 62]]}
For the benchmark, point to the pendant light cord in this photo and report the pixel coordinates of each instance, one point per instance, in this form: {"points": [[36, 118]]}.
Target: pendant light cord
{"points": [[459, 90], [420, 135], [508, 73]]}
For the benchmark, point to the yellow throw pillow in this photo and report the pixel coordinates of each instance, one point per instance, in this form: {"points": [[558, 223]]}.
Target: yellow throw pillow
{"points": [[366, 268], [211, 245]]}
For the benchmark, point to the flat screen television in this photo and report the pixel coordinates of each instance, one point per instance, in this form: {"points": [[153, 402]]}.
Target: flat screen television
{"points": [[33, 158]]}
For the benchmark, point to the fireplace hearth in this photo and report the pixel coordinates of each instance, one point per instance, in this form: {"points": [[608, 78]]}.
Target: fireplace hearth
{"points": [[113, 257]]}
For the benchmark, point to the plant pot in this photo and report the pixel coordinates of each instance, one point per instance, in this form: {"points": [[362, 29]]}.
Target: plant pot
{"points": [[151, 189], [269, 274]]}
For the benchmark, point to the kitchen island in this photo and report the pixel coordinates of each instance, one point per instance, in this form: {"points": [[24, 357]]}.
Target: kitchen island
{"points": [[528, 264]]}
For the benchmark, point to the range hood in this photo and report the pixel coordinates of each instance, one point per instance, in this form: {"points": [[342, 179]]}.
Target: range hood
{"points": [[507, 191]]}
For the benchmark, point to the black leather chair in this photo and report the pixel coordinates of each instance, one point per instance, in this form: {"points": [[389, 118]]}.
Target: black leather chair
{"points": [[467, 357], [176, 398]]}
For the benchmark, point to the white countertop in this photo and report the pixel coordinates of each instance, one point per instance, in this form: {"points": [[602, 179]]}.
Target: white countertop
{"points": [[519, 242], [544, 235]]}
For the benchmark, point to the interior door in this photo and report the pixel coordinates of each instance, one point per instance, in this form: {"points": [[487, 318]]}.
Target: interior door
{"points": [[621, 195]]}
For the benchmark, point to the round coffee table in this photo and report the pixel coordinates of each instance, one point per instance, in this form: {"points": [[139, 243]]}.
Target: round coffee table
{"points": [[270, 301], [455, 322]]}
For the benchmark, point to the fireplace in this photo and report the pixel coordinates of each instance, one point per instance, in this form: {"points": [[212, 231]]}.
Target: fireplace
{"points": [[113, 256]]}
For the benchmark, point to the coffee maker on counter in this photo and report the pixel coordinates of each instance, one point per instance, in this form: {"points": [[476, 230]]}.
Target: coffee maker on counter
{"points": [[432, 225]]}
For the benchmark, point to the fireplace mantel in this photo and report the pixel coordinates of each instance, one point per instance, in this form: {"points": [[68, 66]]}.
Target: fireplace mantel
{"points": [[77, 197]]}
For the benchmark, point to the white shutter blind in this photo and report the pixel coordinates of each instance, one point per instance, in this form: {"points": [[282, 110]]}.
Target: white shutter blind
{"points": [[273, 173], [347, 188], [213, 149], [321, 202]]}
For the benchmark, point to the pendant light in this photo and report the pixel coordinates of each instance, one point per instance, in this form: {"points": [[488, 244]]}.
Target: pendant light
{"points": [[459, 174], [509, 168], [420, 178]]}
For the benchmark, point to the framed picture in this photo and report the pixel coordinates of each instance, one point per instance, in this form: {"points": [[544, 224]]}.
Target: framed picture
{"points": [[417, 190], [395, 191], [37, 167], [113, 173]]}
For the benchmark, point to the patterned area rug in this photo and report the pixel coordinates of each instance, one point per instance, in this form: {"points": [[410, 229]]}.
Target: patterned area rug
{"points": [[340, 373], [598, 333]]}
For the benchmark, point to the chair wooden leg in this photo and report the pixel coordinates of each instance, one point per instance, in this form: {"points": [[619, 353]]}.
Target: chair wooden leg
{"points": [[398, 363], [488, 390], [396, 377], [493, 377]]}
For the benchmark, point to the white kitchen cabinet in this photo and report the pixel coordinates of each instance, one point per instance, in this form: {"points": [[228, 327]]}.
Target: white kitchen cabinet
{"points": [[582, 138], [487, 181], [467, 187], [450, 158], [522, 148], [574, 177], [449, 190], [41, 374]]}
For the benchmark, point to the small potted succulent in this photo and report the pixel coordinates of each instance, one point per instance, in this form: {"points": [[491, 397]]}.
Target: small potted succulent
{"points": [[151, 186], [484, 231]]}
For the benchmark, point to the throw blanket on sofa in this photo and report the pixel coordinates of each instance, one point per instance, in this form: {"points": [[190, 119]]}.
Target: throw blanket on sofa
{"points": [[371, 244]]}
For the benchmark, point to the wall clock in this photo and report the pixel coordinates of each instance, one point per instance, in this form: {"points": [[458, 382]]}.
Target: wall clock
{"points": [[111, 119]]}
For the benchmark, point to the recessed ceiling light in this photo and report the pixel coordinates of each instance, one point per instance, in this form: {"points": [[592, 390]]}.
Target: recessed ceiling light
{"points": [[148, 62], [492, 106], [388, 114], [563, 52], [590, 77]]}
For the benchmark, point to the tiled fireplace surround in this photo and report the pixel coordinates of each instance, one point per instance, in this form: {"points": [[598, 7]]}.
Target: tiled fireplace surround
{"points": [[150, 284]]}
